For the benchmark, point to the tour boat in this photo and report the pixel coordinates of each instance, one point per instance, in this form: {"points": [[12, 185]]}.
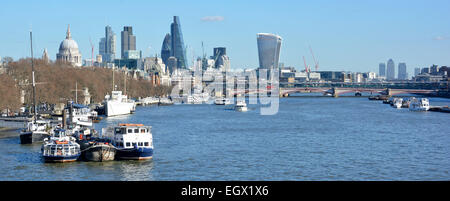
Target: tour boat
{"points": [[36, 131], [60, 147], [132, 141], [241, 106], [422, 104], [397, 103], [222, 101], [94, 148], [118, 104]]}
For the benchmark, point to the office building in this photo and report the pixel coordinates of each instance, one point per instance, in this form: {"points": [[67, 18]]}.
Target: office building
{"points": [[390, 73], [107, 46], [382, 70], [166, 48], [402, 73], [269, 46], [178, 49], [416, 71], [128, 40]]}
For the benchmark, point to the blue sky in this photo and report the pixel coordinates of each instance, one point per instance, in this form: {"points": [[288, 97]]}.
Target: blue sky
{"points": [[344, 34]]}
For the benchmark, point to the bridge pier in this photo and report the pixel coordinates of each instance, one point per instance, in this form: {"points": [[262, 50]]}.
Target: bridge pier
{"points": [[334, 92]]}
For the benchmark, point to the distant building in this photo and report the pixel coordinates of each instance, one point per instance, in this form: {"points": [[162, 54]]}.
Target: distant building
{"points": [[390, 73], [416, 71], [178, 49], [128, 41], [166, 48], [382, 69], [222, 62], [434, 69], [68, 51], [402, 73], [45, 56], [107, 46], [269, 46], [172, 64], [425, 70]]}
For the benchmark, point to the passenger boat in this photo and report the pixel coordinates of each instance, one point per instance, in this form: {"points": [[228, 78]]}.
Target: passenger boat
{"points": [[397, 103], [94, 148], [60, 147], [132, 141], [222, 101], [36, 131], [118, 104], [422, 104], [241, 106]]}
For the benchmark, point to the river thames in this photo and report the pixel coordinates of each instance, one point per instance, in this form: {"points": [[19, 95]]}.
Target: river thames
{"points": [[310, 138]]}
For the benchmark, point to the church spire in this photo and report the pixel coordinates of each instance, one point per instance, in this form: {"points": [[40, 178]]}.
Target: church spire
{"points": [[68, 36]]}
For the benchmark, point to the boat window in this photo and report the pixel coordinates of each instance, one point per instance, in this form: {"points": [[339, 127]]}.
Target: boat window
{"points": [[130, 130], [136, 130], [143, 130], [140, 144], [146, 144], [128, 144], [134, 144], [118, 131]]}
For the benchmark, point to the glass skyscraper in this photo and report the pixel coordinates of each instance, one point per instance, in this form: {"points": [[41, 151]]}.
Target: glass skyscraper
{"points": [[166, 48], [269, 46], [390, 73], [178, 50], [128, 40], [402, 74], [382, 70], [107, 46]]}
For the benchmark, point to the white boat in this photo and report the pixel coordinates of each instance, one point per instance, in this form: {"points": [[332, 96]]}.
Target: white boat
{"points": [[132, 141], [36, 131], [422, 104], [60, 147], [397, 103], [81, 115], [222, 101], [118, 104], [241, 106]]}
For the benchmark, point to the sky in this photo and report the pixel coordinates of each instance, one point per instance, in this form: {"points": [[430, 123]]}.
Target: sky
{"points": [[343, 34]]}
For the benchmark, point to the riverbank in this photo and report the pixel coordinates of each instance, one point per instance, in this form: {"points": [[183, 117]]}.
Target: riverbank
{"points": [[8, 132]]}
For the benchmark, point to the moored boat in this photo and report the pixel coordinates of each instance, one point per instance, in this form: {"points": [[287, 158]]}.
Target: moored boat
{"points": [[118, 104], [132, 141], [397, 103], [422, 104], [60, 147], [241, 106], [36, 131], [222, 101]]}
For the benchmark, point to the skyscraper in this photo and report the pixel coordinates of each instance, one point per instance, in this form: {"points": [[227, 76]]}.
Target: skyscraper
{"points": [[128, 40], [382, 70], [269, 46], [402, 74], [390, 73], [166, 48], [178, 50], [222, 62], [107, 46], [416, 71]]}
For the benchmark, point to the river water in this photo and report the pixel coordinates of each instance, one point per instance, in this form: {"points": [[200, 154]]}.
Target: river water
{"points": [[310, 138]]}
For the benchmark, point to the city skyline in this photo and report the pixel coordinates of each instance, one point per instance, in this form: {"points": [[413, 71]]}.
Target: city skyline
{"points": [[353, 37]]}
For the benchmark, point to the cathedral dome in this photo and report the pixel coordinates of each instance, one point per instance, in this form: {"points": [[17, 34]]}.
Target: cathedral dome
{"points": [[68, 50]]}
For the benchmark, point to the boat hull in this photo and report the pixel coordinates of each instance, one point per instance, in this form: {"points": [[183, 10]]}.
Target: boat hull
{"points": [[32, 137], [115, 108], [134, 154], [60, 159], [99, 153]]}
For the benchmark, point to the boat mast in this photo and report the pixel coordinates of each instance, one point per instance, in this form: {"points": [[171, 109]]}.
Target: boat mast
{"points": [[32, 73]]}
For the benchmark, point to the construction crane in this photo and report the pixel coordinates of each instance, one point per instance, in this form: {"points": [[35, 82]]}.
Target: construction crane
{"points": [[315, 61], [306, 66], [92, 54]]}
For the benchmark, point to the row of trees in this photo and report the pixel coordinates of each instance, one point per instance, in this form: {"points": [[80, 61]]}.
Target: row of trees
{"points": [[56, 83]]}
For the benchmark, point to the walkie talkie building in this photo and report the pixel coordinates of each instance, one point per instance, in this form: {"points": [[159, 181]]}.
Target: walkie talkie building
{"points": [[269, 46]]}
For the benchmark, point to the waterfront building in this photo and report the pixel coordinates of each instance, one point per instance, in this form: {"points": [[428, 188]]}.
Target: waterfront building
{"points": [[332, 76], [390, 73], [382, 69], [107, 46], [402, 73], [166, 48], [178, 49], [68, 51], [416, 71], [128, 41], [269, 46]]}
